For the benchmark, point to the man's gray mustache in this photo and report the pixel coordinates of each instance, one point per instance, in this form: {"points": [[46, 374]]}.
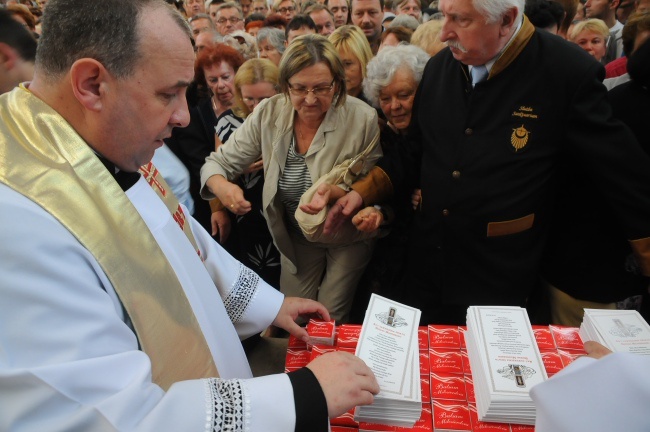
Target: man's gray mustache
{"points": [[457, 45]]}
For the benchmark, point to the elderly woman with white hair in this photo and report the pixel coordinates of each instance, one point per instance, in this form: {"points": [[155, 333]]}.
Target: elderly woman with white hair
{"points": [[392, 79], [270, 43]]}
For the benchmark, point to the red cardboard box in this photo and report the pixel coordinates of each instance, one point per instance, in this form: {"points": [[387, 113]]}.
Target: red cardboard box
{"points": [[568, 356], [425, 368], [319, 350], [451, 416], [423, 338], [479, 426], [469, 388], [544, 338], [296, 359], [321, 332], [567, 338], [461, 332], [443, 336], [346, 419], [552, 362], [522, 428], [449, 361], [348, 335], [467, 370], [425, 384], [448, 387], [295, 343], [351, 350]]}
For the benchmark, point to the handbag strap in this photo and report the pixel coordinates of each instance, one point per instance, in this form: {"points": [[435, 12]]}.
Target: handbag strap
{"points": [[358, 162]]}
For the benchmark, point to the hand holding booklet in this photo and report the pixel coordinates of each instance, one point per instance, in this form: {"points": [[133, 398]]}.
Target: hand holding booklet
{"points": [[388, 343], [505, 361], [618, 330]]}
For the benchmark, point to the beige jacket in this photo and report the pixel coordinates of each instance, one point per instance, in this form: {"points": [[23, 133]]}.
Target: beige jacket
{"points": [[268, 132]]}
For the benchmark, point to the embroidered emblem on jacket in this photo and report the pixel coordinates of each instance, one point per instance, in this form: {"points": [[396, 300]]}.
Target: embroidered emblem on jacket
{"points": [[519, 137]]}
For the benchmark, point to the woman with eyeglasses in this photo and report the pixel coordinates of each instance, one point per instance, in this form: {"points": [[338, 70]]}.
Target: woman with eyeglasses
{"points": [[301, 135], [286, 8]]}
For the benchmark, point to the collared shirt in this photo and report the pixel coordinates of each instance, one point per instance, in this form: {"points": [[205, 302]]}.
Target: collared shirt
{"points": [[494, 59]]}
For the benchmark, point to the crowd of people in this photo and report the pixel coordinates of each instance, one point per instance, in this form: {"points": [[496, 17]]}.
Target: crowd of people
{"points": [[458, 153]]}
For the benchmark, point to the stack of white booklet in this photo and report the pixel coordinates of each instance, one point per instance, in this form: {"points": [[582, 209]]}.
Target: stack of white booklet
{"points": [[505, 362], [388, 343], [618, 330]]}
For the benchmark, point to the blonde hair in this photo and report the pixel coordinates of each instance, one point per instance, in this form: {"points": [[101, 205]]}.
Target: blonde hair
{"points": [[592, 24], [308, 50], [254, 71], [351, 39], [427, 37]]}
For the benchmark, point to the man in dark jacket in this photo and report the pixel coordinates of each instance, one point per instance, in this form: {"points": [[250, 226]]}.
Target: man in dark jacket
{"points": [[585, 270], [485, 154]]}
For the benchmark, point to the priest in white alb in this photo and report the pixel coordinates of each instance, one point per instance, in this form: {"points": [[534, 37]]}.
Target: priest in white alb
{"points": [[117, 310]]}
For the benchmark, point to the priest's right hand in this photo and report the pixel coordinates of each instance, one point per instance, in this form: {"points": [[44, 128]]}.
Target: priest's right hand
{"points": [[345, 380]]}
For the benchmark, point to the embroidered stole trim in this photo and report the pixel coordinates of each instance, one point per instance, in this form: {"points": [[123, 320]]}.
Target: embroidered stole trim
{"points": [[45, 160], [162, 189]]}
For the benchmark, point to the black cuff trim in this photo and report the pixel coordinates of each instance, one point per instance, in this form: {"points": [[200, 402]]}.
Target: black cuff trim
{"points": [[310, 402]]}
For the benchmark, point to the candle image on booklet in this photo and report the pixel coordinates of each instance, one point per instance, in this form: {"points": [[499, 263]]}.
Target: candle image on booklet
{"points": [[518, 373], [391, 317], [389, 345], [623, 330], [506, 363]]}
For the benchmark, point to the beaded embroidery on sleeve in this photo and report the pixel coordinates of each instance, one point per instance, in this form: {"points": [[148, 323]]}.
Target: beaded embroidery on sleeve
{"points": [[242, 293], [227, 406]]}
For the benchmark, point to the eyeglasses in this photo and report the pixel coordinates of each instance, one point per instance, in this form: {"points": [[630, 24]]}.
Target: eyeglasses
{"points": [[233, 20], [317, 91], [287, 9]]}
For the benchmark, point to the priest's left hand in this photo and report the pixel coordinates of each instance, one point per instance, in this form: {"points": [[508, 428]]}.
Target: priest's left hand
{"points": [[596, 350], [292, 308]]}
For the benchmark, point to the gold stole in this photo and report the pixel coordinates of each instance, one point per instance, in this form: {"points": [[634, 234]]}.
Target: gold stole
{"points": [[44, 159]]}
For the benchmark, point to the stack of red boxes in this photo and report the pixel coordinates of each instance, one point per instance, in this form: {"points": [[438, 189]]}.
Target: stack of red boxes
{"points": [[448, 402]]}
